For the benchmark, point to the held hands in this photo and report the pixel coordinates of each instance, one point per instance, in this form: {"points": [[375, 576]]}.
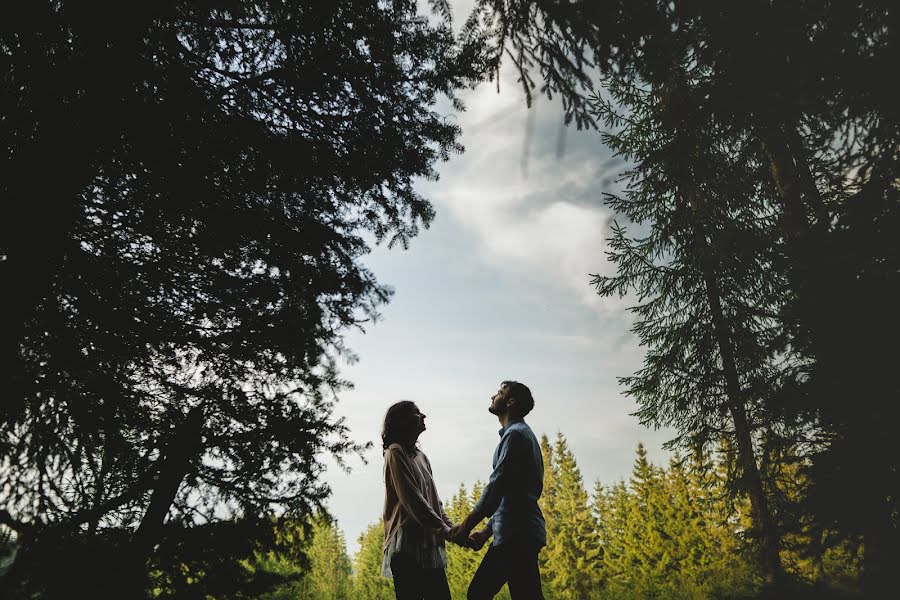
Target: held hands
{"points": [[446, 534], [460, 535]]}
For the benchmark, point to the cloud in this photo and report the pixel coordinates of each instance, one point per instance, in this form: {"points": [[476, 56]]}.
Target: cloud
{"points": [[530, 209]]}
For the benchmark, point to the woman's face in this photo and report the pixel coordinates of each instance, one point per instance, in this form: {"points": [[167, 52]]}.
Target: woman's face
{"points": [[418, 421]]}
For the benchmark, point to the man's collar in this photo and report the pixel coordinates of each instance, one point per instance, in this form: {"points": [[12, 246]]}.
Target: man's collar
{"points": [[509, 424]]}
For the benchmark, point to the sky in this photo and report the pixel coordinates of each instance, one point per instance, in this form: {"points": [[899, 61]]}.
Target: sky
{"points": [[498, 288]]}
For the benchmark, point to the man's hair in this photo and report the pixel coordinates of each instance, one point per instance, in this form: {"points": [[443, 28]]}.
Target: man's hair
{"points": [[522, 395]]}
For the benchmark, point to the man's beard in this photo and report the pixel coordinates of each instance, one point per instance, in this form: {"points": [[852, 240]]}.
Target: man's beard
{"points": [[498, 410]]}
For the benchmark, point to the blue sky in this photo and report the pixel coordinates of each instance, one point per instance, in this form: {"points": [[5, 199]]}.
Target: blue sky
{"points": [[498, 288]]}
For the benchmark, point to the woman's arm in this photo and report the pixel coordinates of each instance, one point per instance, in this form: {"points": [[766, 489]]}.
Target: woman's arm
{"points": [[444, 514], [399, 471]]}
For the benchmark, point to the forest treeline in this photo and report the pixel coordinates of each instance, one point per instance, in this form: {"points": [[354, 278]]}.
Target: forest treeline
{"points": [[667, 532], [190, 189]]}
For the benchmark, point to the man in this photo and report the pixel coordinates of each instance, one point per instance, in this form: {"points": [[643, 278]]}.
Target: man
{"points": [[510, 499]]}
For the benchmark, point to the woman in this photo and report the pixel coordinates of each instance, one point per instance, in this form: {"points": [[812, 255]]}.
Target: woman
{"points": [[415, 524]]}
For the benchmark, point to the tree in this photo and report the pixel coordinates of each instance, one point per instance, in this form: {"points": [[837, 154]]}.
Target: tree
{"points": [[231, 559], [572, 558], [703, 274], [669, 533], [548, 505], [329, 573], [700, 535], [803, 83], [368, 582], [190, 189], [645, 551], [611, 508]]}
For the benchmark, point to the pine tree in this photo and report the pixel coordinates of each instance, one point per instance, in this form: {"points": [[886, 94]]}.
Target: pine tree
{"points": [[611, 510], [461, 562], [704, 272], [669, 534], [329, 575], [572, 557], [368, 582], [191, 188], [802, 85], [548, 506], [645, 541]]}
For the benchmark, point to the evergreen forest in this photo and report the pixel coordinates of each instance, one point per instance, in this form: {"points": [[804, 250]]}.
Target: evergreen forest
{"points": [[671, 531]]}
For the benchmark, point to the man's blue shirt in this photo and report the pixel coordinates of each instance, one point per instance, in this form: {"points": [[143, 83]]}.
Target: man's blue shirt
{"points": [[510, 497]]}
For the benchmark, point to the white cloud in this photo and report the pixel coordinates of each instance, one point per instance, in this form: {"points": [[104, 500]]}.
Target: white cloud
{"points": [[529, 209]]}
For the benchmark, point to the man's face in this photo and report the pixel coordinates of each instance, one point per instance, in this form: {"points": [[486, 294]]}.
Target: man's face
{"points": [[499, 400]]}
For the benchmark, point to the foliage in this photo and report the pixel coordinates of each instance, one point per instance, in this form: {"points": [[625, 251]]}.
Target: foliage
{"points": [[191, 187], [229, 559], [367, 579], [795, 94], [329, 573], [571, 561], [668, 532], [702, 269], [671, 533]]}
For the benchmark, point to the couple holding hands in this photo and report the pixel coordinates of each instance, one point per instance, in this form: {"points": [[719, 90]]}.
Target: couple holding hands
{"points": [[416, 526]]}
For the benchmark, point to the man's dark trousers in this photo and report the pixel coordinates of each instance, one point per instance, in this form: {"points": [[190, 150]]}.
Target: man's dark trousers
{"points": [[513, 563]]}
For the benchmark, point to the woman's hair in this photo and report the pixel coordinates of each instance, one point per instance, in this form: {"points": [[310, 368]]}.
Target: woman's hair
{"points": [[398, 425]]}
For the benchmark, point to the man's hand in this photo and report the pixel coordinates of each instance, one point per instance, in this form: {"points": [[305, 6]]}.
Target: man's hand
{"points": [[478, 539], [460, 539], [460, 533]]}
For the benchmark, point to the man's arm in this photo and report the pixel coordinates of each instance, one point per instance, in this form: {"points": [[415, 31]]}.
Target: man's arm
{"points": [[496, 486]]}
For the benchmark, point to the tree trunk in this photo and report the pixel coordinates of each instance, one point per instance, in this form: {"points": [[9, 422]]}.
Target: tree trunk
{"points": [[793, 179], [759, 504], [182, 451]]}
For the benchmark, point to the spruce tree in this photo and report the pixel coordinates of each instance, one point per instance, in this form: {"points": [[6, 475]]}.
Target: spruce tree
{"points": [[611, 509], [705, 549], [670, 534], [572, 557], [191, 188], [368, 582], [803, 85], [702, 270], [548, 506], [645, 542], [329, 576], [461, 562]]}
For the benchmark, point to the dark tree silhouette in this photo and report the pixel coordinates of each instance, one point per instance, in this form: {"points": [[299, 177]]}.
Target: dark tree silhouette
{"points": [[701, 268], [188, 188], [808, 83]]}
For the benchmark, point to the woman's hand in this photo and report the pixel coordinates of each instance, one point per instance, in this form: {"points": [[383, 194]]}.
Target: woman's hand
{"points": [[443, 534]]}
